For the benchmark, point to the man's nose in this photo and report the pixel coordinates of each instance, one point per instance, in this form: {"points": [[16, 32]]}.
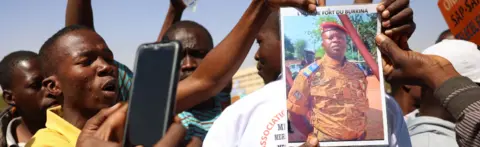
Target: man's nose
{"points": [[104, 68], [188, 63], [337, 39], [257, 56]]}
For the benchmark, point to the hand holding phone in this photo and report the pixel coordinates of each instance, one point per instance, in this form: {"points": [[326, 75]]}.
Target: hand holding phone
{"points": [[152, 101]]}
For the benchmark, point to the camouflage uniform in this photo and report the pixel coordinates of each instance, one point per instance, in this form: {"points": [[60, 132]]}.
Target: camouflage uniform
{"points": [[333, 98]]}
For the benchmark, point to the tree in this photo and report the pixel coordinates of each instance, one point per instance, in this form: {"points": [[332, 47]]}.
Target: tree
{"points": [[289, 49], [300, 46], [319, 52], [366, 25]]}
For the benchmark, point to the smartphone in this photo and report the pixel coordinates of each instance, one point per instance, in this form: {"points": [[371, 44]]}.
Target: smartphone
{"points": [[152, 100]]}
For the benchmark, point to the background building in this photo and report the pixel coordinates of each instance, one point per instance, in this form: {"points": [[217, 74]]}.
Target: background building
{"points": [[245, 81]]}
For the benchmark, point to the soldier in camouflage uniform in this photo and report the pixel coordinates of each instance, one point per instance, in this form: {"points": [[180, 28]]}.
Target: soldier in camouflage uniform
{"points": [[331, 92]]}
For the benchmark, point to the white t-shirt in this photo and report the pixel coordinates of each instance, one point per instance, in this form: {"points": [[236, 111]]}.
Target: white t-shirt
{"points": [[260, 119]]}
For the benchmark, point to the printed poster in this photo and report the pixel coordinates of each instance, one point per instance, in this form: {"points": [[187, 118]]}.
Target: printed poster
{"points": [[331, 66], [463, 18]]}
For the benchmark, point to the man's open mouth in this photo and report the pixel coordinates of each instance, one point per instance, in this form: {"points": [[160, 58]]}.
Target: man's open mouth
{"points": [[109, 86]]}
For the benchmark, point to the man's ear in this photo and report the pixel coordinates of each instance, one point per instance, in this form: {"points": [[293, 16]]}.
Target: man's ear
{"points": [[8, 97], [52, 86]]}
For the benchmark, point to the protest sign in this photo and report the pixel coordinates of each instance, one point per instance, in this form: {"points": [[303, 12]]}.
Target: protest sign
{"points": [[463, 18]]}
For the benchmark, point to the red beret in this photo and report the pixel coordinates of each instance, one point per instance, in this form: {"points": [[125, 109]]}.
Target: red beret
{"points": [[327, 26]]}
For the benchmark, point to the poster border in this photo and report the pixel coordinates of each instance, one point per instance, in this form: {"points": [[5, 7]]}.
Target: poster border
{"points": [[371, 8]]}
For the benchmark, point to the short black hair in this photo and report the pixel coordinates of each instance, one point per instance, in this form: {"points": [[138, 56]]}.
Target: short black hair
{"points": [[443, 35], [48, 54], [184, 24], [8, 64], [272, 24]]}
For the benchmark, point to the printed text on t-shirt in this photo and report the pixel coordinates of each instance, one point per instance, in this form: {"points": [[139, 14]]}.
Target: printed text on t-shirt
{"points": [[271, 124]]}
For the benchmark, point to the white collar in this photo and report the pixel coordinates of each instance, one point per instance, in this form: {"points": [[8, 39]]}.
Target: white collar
{"points": [[12, 125]]}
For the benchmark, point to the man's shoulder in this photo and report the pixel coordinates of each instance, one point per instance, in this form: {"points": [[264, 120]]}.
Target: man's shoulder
{"points": [[269, 92], [270, 98], [354, 69], [394, 112], [309, 69], [48, 137], [47, 133], [244, 120], [122, 67], [433, 140], [5, 117], [125, 76], [397, 127]]}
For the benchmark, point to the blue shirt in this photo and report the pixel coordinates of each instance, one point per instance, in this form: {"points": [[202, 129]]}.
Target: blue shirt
{"points": [[125, 76], [198, 122]]}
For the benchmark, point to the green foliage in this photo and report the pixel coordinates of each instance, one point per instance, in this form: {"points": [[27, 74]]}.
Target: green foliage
{"points": [[2, 103], [367, 30], [366, 25], [326, 19], [319, 52], [289, 49], [300, 46]]}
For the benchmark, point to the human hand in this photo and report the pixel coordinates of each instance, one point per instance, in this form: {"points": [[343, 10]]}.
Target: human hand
{"points": [[397, 20], [362, 1], [306, 5], [88, 136], [178, 4], [175, 134], [404, 66], [311, 142], [113, 127]]}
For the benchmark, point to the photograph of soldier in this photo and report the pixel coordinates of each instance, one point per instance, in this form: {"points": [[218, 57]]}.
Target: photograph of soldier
{"points": [[334, 95]]}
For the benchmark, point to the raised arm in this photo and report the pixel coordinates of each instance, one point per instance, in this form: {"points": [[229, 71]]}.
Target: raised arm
{"points": [[221, 63], [458, 94], [79, 12], [174, 14], [362, 1], [227, 57]]}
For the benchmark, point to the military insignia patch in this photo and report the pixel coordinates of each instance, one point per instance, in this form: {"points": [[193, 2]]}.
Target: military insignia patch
{"points": [[297, 95], [318, 75], [320, 82], [307, 72], [311, 68]]}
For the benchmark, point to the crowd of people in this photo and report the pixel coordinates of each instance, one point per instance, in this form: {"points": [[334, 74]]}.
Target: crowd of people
{"points": [[74, 93]]}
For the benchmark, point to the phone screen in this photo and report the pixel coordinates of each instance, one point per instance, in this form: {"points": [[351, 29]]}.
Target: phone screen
{"points": [[152, 101]]}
